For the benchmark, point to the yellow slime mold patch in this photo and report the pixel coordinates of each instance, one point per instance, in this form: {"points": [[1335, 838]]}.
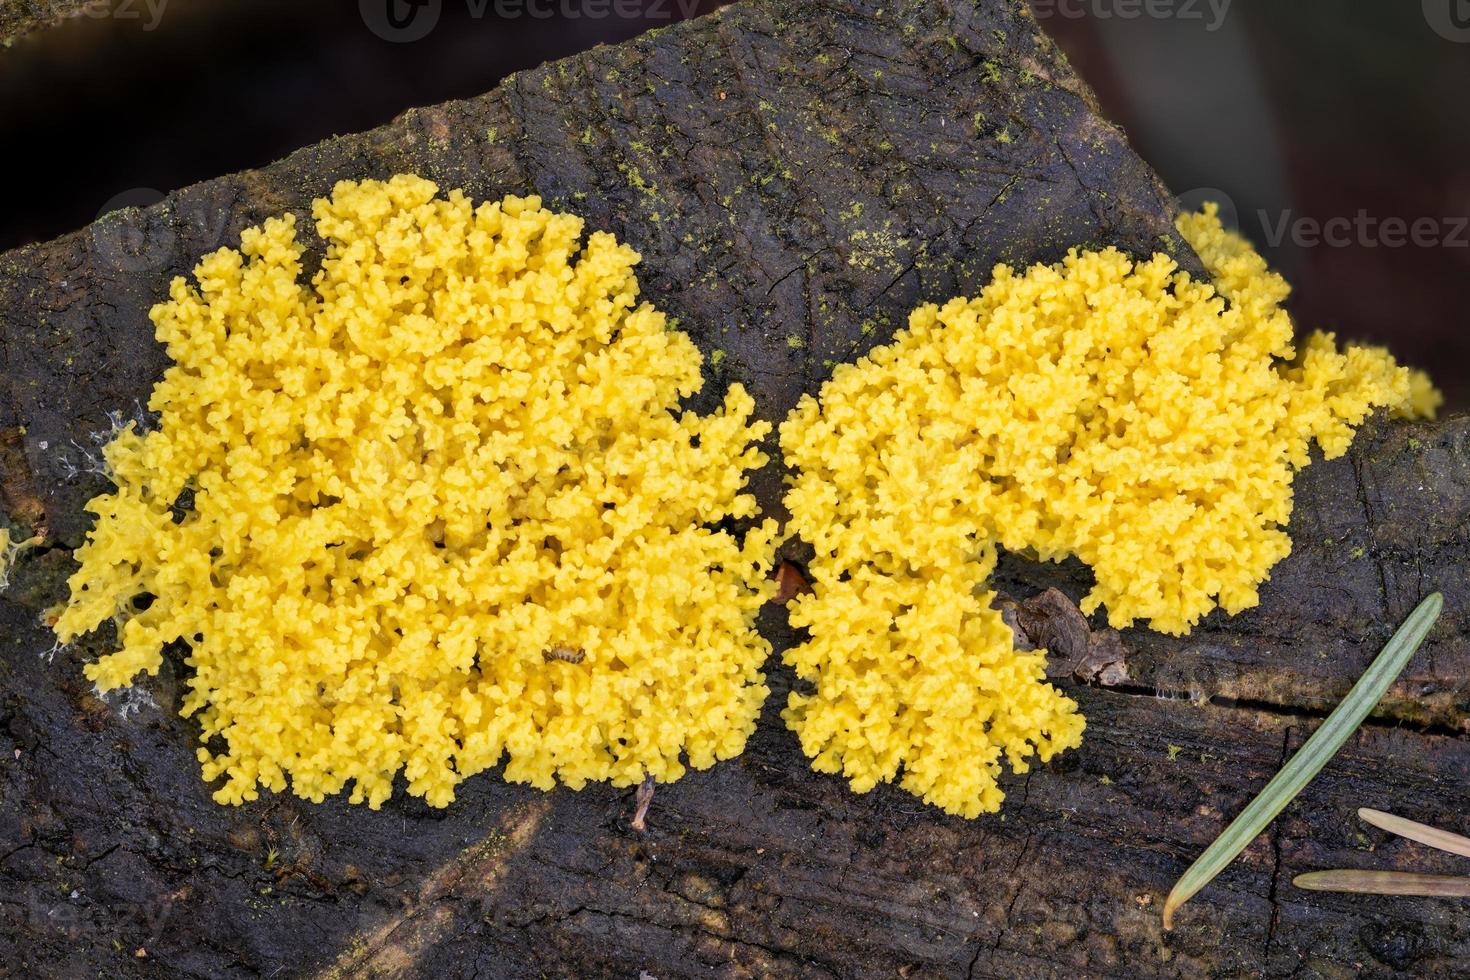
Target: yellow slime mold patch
{"points": [[1115, 411], [444, 511]]}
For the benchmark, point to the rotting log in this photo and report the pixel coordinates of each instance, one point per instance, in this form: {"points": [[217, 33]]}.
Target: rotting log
{"points": [[797, 177], [21, 17]]}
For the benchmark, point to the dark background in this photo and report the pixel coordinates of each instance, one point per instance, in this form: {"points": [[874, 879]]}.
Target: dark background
{"points": [[1294, 113]]}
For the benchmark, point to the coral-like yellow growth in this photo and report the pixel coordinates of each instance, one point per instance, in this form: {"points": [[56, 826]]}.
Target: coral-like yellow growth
{"points": [[7, 557], [1116, 411], [10, 551], [443, 511]]}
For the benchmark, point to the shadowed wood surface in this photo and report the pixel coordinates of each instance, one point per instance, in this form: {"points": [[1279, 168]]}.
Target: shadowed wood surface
{"points": [[21, 17], [797, 177]]}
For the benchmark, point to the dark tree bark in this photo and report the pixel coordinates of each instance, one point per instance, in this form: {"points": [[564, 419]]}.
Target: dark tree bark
{"points": [[21, 17], [797, 178]]}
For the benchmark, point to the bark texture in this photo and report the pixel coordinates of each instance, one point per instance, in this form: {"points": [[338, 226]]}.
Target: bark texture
{"points": [[21, 17], [797, 177]]}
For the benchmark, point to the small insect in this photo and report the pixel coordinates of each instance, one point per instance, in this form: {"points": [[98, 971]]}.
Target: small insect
{"points": [[564, 654]]}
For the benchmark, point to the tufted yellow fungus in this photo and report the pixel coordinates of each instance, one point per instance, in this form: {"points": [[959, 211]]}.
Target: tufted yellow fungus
{"points": [[1116, 411], [445, 511]]}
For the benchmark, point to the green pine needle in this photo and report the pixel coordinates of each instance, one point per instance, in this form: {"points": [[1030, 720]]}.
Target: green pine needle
{"points": [[1309, 760]]}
